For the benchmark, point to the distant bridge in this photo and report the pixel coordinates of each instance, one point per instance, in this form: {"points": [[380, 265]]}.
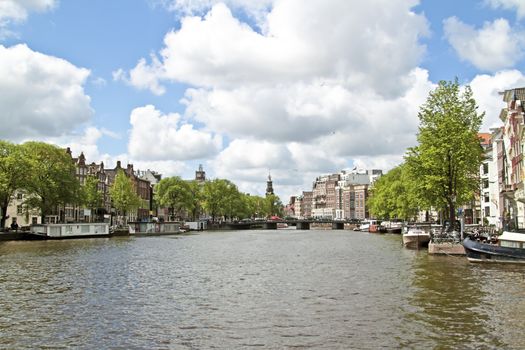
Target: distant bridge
{"points": [[273, 224]]}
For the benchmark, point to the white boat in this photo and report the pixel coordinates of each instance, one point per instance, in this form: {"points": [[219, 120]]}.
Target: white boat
{"points": [[365, 225], [416, 237], [72, 230]]}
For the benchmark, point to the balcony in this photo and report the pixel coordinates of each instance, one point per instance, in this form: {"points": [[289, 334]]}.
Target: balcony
{"points": [[508, 191]]}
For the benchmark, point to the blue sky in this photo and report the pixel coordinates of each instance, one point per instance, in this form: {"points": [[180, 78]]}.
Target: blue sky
{"points": [[246, 87]]}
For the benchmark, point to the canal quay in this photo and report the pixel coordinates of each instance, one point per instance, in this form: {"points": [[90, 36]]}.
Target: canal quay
{"points": [[271, 289]]}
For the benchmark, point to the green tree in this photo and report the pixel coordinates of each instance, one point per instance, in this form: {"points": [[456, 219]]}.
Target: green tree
{"points": [[273, 205], [394, 195], [91, 196], [220, 197], [446, 161], [175, 194], [195, 198], [257, 206], [232, 201], [14, 170], [212, 198], [123, 195], [51, 181]]}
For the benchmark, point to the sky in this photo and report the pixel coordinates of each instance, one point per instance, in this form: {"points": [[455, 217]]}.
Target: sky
{"points": [[244, 87]]}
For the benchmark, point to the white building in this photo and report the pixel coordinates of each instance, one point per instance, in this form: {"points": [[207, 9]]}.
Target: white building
{"points": [[17, 212], [490, 188]]}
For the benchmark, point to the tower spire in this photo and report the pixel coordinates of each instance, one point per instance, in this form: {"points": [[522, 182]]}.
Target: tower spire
{"points": [[269, 184]]}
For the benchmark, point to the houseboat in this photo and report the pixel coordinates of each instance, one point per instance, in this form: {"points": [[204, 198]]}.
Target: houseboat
{"points": [[71, 230], [507, 248], [155, 228]]}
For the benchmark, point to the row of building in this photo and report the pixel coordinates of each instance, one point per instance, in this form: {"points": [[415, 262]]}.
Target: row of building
{"points": [[340, 196], [502, 194], [143, 183]]}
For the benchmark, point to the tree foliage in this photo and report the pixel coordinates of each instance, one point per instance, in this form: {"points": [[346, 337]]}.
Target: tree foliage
{"points": [[51, 177], [195, 199], [273, 205], [92, 197], [14, 171], [394, 195], [175, 194], [222, 198], [216, 194], [446, 161], [123, 195]]}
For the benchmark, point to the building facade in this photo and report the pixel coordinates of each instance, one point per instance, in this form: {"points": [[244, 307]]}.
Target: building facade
{"points": [[340, 196]]}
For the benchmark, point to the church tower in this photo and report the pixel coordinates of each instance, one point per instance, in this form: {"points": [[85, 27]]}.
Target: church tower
{"points": [[200, 175], [269, 185]]}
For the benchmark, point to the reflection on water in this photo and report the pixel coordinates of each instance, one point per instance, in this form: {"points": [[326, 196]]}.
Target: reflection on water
{"points": [[467, 304], [271, 289]]}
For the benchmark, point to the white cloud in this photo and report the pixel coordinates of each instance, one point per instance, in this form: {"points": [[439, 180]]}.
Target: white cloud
{"points": [[486, 90], [253, 155], [159, 137], [315, 86], [143, 76], [16, 11], [85, 143], [294, 112], [324, 114], [519, 5], [42, 96], [220, 51], [256, 9], [99, 81], [368, 130], [493, 47]]}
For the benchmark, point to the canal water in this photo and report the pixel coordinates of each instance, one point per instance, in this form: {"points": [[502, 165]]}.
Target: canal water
{"points": [[254, 289]]}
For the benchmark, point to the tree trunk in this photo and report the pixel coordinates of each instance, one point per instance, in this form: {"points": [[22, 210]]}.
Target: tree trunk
{"points": [[4, 213], [452, 216]]}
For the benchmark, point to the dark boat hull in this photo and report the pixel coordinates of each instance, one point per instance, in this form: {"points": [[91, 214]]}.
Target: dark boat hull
{"points": [[394, 230], [491, 253]]}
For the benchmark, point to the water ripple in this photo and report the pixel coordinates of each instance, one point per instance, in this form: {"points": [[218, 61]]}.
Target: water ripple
{"points": [[253, 289]]}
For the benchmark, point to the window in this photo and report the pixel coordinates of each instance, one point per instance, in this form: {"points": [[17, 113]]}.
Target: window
{"points": [[19, 196], [34, 220], [487, 211], [485, 168], [510, 244], [19, 210], [487, 198], [486, 183]]}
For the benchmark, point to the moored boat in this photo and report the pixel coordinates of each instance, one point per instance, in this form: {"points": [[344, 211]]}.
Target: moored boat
{"points": [[416, 237], [367, 226], [70, 230], [376, 227], [155, 228], [393, 226], [507, 248]]}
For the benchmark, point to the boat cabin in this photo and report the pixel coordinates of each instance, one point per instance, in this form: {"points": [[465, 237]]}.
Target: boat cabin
{"points": [[512, 240], [71, 230]]}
